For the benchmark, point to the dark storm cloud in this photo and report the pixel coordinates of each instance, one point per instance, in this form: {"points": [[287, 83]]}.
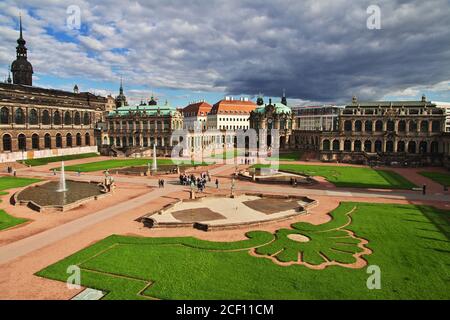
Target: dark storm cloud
{"points": [[316, 50]]}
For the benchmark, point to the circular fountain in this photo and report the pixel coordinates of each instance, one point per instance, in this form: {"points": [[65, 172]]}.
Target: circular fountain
{"points": [[274, 176], [60, 195]]}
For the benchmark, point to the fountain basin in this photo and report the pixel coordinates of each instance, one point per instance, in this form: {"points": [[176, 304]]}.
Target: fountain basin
{"points": [[220, 212], [272, 176], [46, 196], [161, 170]]}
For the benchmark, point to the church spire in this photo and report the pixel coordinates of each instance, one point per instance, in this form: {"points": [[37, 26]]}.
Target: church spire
{"points": [[121, 86], [21, 68], [283, 98], [9, 75], [20, 24]]}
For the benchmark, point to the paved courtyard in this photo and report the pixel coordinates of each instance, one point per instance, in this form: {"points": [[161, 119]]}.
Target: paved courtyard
{"points": [[50, 237]]}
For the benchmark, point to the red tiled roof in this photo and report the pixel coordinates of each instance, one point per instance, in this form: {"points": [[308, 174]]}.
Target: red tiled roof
{"points": [[197, 109], [233, 107]]}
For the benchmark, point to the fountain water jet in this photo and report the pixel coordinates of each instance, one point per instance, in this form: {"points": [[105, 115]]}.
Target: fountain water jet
{"points": [[154, 164], [62, 180]]}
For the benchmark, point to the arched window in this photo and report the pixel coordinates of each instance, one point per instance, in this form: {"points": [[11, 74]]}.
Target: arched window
{"points": [[35, 141], [326, 145], [4, 116], [45, 117], [7, 145], [378, 146], [357, 147], [336, 145], [22, 142], [436, 126], [390, 146], [423, 147], [402, 126], [390, 125], [47, 141], [401, 146], [56, 118], [368, 146], [379, 126], [78, 140], [124, 141], [58, 140], [412, 147], [19, 116], [358, 126], [413, 126], [67, 118], [87, 139], [86, 119], [33, 117], [424, 126], [69, 140], [347, 145], [347, 126], [368, 126], [77, 119]]}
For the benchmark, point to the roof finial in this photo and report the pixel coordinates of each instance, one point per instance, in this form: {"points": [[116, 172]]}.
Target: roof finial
{"points": [[20, 25], [9, 80]]}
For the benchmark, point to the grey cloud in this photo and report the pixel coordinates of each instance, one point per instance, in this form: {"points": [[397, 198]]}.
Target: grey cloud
{"points": [[316, 50]]}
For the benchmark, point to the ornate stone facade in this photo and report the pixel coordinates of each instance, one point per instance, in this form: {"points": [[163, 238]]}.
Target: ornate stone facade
{"points": [[37, 122], [36, 119], [387, 132], [136, 129], [274, 116]]}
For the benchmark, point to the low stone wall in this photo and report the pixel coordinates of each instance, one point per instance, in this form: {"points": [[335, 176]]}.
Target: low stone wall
{"points": [[48, 153], [63, 208], [149, 222]]}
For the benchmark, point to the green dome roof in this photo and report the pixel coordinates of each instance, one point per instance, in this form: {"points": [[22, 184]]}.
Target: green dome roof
{"points": [[279, 108], [149, 110]]}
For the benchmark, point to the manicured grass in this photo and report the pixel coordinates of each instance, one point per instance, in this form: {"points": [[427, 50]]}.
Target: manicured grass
{"points": [[44, 161], [230, 154], [121, 163], [352, 177], [410, 245], [7, 221], [14, 182], [439, 177], [291, 156]]}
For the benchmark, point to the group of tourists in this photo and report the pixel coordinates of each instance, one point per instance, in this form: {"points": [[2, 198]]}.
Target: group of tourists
{"points": [[193, 181]]}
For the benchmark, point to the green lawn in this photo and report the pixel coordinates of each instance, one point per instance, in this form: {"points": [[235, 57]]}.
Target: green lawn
{"points": [[7, 221], [230, 154], [121, 163], [14, 182], [290, 156], [410, 245], [44, 161], [352, 177], [439, 177]]}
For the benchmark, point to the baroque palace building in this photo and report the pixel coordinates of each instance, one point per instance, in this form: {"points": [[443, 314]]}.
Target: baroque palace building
{"points": [[135, 129], [388, 132], [37, 122], [274, 116]]}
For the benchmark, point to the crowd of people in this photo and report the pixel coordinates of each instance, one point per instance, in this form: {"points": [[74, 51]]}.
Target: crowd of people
{"points": [[192, 180]]}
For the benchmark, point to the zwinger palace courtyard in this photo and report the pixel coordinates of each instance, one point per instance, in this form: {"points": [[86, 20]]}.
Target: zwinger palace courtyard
{"points": [[290, 239]]}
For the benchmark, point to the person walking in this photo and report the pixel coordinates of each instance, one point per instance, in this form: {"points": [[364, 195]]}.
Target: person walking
{"points": [[217, 183]]}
